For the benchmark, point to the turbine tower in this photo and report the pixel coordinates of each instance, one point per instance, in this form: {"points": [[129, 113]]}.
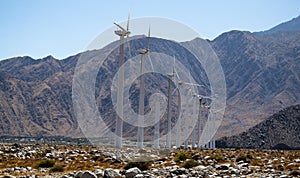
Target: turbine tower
{"points": [[142, 52], [194, 111], [156, 127], [169, 122], [178, 124], [119, 122], [199, 121], [194, 114], [212, 142], [186, 141]]}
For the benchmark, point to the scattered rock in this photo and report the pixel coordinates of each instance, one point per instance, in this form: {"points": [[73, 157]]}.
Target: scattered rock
{"points": [[7, 176], [222, 166], [88, 174], [132, 172], [99, 172], [269, 163], [110, 173], [78, 174], [294, 173], [139, 176], [200, 168]]}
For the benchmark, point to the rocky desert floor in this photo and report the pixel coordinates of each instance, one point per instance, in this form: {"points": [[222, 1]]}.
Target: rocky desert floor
{"points": [[35, 160]]}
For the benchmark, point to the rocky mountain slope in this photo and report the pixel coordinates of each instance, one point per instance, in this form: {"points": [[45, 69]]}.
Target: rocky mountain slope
{"points": [[261, 71], [262, 75], [280, 130], [291, 25], [36, 96]]}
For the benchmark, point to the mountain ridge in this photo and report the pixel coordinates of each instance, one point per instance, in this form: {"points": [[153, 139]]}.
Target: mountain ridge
{"points": [[261, 76], [291, 25], [282, 128]]}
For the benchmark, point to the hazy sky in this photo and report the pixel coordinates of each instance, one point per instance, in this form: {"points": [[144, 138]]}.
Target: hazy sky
{"points": [[61, 28]]}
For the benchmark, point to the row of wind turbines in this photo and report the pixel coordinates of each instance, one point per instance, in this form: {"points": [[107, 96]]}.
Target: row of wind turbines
{"points": [[122, 33]]}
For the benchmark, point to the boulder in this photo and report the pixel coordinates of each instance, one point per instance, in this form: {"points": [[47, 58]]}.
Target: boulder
{"points": [[88, 174], [132, 172], [200, 168], [78, 174], [99, 172], [222, 166], [7, 176], [111, 173], [139, 176]]}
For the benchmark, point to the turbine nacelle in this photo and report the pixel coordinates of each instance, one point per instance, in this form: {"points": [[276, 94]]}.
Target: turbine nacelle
{"points": [[123, 31], [143, 51], [170, 74]]}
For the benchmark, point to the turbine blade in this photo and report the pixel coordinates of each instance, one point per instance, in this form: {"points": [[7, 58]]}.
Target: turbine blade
{"points": [[148, 43], [151, 62], [175, 71], [119, 26], [136, 51], [128, 45], [190, 77], [193, 84], [174, 90], [128, 21]]}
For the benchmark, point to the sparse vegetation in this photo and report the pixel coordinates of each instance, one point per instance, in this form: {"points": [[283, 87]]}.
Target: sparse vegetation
{"points": [[142, 165], [57, 168], [89, 158], [190, 163], [217, 157], [180, 156], [41, 154], [245, 158], [46, 163]]}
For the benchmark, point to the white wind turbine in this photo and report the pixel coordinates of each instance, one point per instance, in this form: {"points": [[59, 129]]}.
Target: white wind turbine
{"points": [[178, 124], [142, 52], [213, 112], [206, 106], [119, 122], [194, 111], [169, 121], [157, 126], [200, 124]]}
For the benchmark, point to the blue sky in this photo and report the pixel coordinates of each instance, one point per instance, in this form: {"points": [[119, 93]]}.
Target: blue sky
{"points": [[61, 28]]}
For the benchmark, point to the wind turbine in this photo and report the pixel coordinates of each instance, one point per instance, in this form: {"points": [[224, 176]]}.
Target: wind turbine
{"points": [[178, 129], [119, 122], [202, 104], [194, 129], [169, 122], [186, 141], [206, 106], [199, 121], [156, 127], [142, 52], [178, 124], [213, 140], [194, 111], [210, 144]]}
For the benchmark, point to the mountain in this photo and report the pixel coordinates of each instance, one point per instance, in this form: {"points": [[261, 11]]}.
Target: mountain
{"points": [[262, 76], [36, 95], [261, 71], [292, 25], [281, 130]]}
